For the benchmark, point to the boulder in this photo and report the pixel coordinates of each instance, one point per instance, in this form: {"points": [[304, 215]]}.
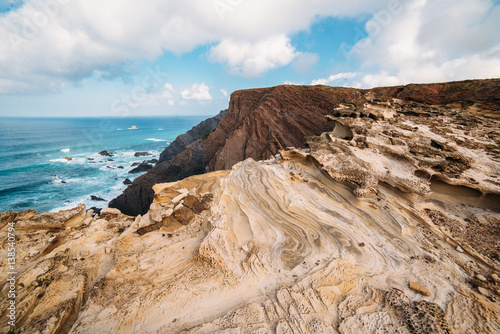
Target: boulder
{"points": [[106, 153]]}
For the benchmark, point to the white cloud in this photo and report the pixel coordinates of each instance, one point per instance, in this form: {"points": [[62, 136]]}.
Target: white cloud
{"points": [[164, 97], [432, 41], [198, 91], [224, 92], [252, 59], [45, 44], [333, 78]]}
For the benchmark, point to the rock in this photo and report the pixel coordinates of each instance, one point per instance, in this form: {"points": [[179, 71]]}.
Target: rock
{"points": [[127, 182], [152, 161], [183, 215], [97, 211], [482, 278], [135, 164], [143, 167], [179, 197], [155, 212], [486, 292], [95, 198], [120, 167], [106, 154], [149, 228], [460, 249], [420, 289], [495, 278], [53, 220], [110, 160], [11, 216], [110, 211], [142, 154], [68, 158], [198, 204], [261, 122], [90, 159]]}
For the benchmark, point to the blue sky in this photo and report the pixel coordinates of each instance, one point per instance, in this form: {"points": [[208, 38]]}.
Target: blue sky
{"points": [[130, 58]]}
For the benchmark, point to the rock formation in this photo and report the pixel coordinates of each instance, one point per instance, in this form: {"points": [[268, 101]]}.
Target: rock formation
{"points": [[387, 223], [260, 122]]}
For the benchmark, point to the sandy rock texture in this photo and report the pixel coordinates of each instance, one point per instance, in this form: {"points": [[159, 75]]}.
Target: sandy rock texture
{"points": [[387, 223], [261, 122]]}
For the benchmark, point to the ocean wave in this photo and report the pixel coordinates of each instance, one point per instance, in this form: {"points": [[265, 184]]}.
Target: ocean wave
{"points": [[59, 160], [155, 139], [65, 150]]}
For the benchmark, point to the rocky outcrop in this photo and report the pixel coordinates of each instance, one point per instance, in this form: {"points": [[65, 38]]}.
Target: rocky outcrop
{"points": [[387, 223], [260, 122]]}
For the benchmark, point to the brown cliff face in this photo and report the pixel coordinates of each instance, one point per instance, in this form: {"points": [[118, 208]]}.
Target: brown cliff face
{"points": [[260, 122]]}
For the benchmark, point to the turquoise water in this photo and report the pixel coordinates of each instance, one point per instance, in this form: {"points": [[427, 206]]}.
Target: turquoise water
{"points": [[34, 173]]}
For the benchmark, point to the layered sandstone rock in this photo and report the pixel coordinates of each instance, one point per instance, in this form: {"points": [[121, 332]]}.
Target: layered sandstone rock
{"points": [[260, 122], [387, 223]]}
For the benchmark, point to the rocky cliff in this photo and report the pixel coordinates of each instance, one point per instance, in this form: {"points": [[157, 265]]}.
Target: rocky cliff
{"points": [[387, 223], [260, 122]]}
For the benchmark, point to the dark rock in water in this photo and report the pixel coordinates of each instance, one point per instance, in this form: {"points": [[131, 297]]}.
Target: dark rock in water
{"points": [[143, 167], [90, 159], [127, 182], [63, 181], [120, 167], [95, 198], [142, 154], [106, 153], [97, 211], [68, 158], [152, 161], [135, 164], [91, 162], [110, 160]]}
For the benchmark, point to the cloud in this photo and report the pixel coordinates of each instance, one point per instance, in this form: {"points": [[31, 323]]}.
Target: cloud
{"points": [[164, 97], [252, 59], [333, 78], [198, 91], [224, 92], [44, 45], [431, 41]]}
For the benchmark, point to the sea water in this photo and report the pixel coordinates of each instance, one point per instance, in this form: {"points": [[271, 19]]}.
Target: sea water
{"points": [[35, 170]]}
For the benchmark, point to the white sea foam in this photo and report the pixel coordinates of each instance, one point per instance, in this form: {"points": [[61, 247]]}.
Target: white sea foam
{"points": [[65, 150], [155, 139], [160, 129], [59, 160]]}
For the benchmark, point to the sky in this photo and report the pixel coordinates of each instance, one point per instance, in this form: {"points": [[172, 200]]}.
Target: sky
{"points": [[119, 58]]}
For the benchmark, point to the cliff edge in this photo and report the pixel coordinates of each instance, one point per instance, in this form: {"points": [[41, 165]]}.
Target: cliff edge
{"points": [[260, 122]]}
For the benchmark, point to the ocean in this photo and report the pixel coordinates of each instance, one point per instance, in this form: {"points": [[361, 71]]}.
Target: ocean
{"points": [[36, 172]]}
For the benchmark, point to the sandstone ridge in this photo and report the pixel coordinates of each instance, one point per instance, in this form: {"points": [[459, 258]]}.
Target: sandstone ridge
{"points": [[387, 223], [260, 122]]}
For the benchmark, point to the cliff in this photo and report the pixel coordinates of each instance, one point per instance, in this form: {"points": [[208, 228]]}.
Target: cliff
{"points": [[260, 122], [389, 222]]}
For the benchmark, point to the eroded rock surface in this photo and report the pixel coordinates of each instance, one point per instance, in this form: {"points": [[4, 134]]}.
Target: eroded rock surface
{"points": [[387, 223], [260, 122]]}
